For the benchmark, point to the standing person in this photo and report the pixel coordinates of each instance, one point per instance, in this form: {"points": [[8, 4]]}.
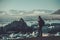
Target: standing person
{"points": [[41, 24]]}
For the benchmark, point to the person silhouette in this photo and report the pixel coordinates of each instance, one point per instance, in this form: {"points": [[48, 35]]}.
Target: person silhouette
{"points": [[41, 23]]}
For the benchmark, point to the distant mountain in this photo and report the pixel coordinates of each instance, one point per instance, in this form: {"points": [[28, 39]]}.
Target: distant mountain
{"points": [[57, 12]]}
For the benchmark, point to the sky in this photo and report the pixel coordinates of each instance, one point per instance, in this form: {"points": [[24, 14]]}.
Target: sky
{"points": [[29, 4]]}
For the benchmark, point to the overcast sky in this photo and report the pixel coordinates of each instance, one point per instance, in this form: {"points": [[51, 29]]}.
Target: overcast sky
{"points": [[29, 4]]}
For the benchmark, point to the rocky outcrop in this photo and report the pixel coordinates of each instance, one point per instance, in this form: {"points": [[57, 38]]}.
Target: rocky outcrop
{"points": [[18, 26]]}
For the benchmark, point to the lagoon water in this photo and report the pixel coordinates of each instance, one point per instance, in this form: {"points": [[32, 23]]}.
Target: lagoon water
{"points": [[29, 23], [46, 22]]}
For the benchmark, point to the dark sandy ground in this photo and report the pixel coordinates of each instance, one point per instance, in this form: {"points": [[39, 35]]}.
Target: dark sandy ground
{"points": [[42, 38]]}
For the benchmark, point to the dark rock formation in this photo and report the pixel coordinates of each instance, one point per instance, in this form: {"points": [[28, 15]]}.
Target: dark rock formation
{"points": [[18, 26], [55, 29]]}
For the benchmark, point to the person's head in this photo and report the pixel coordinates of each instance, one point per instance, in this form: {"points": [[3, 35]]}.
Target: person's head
{"points": [[39, 17]]}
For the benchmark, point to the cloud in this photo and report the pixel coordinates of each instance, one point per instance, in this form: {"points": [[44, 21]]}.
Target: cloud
{"points": [[18, 13]]}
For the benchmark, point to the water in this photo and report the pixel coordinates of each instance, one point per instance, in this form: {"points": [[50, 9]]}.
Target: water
{"points": [[52, 21], [29, 23]]}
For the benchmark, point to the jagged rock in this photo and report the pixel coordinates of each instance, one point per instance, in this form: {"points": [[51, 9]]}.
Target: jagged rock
{"points": [[18, 26]]}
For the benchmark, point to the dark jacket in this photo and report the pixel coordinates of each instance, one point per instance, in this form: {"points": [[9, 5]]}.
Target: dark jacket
{"points": [[40, 22]]}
